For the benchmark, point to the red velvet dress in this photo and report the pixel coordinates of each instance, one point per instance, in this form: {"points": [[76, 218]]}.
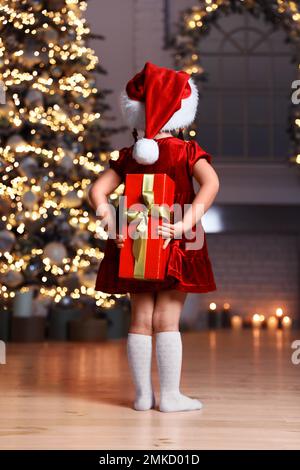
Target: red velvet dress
{"points": [[187, 270]]}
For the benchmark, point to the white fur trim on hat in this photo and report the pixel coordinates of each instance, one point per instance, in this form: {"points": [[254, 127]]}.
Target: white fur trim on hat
{"points": [[186, 114], [145, 151], [134, 111]]}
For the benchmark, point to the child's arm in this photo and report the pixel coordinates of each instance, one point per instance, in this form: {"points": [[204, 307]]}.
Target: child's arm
{"points": [[105, 184], [209, 186], [208, 180]]}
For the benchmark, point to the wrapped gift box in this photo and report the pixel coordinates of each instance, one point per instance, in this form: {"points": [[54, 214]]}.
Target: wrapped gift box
{"points": [[59, 319], [90, 329], [28, 330], [149, 199]]}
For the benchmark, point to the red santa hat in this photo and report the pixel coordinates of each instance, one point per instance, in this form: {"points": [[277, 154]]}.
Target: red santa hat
{"points": [[158, 99]]}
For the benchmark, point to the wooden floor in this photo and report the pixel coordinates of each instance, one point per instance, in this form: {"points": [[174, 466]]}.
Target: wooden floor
{"points": [[78, 396]]}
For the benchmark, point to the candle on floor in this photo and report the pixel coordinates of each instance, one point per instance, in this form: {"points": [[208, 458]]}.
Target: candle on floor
{"points": [[236, 322], [22, 304], [272, 323], [263, 321], [279, 315], [213, 316], [286, 322], [247, 322], [225, 316], [256, 320]]}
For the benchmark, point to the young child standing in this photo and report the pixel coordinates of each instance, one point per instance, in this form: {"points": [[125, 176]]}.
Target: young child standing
{"points": [[158, 100]]}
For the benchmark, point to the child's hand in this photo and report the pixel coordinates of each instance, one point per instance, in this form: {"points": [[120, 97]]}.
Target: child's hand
{"points": [[119, 240], [106, 216], [169, 231]]}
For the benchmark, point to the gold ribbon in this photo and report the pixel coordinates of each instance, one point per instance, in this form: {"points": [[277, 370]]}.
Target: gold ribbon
{"points": [[139, 247]]}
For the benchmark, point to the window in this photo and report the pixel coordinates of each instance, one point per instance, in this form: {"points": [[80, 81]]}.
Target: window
{"points": [[244, 105]]}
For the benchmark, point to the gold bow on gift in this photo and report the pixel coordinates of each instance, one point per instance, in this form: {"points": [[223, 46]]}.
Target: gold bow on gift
{"points": [[139, 246]]}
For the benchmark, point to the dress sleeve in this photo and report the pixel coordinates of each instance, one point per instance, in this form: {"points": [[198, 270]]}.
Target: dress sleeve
{"points": [[194, 153], [120, 164]]}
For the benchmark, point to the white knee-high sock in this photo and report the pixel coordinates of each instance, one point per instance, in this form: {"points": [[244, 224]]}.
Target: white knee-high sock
{"points": [[169, 359], [139, 350]]}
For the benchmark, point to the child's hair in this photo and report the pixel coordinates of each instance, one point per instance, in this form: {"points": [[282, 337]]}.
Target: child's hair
{"points": [[135, 134], [180, 134]]}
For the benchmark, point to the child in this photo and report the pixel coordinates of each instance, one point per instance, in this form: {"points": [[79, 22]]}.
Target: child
{"points": [[158, 100]]}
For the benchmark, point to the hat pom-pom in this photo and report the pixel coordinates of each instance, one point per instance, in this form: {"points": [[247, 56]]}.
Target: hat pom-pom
{"points": [[145, 151]]}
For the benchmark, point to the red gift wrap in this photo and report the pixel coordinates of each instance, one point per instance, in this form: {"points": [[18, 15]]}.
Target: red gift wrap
{"points": [[148, 202]]}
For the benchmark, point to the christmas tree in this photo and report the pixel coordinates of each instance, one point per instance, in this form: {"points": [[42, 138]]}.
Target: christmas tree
{"points": [[54, 142]]}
